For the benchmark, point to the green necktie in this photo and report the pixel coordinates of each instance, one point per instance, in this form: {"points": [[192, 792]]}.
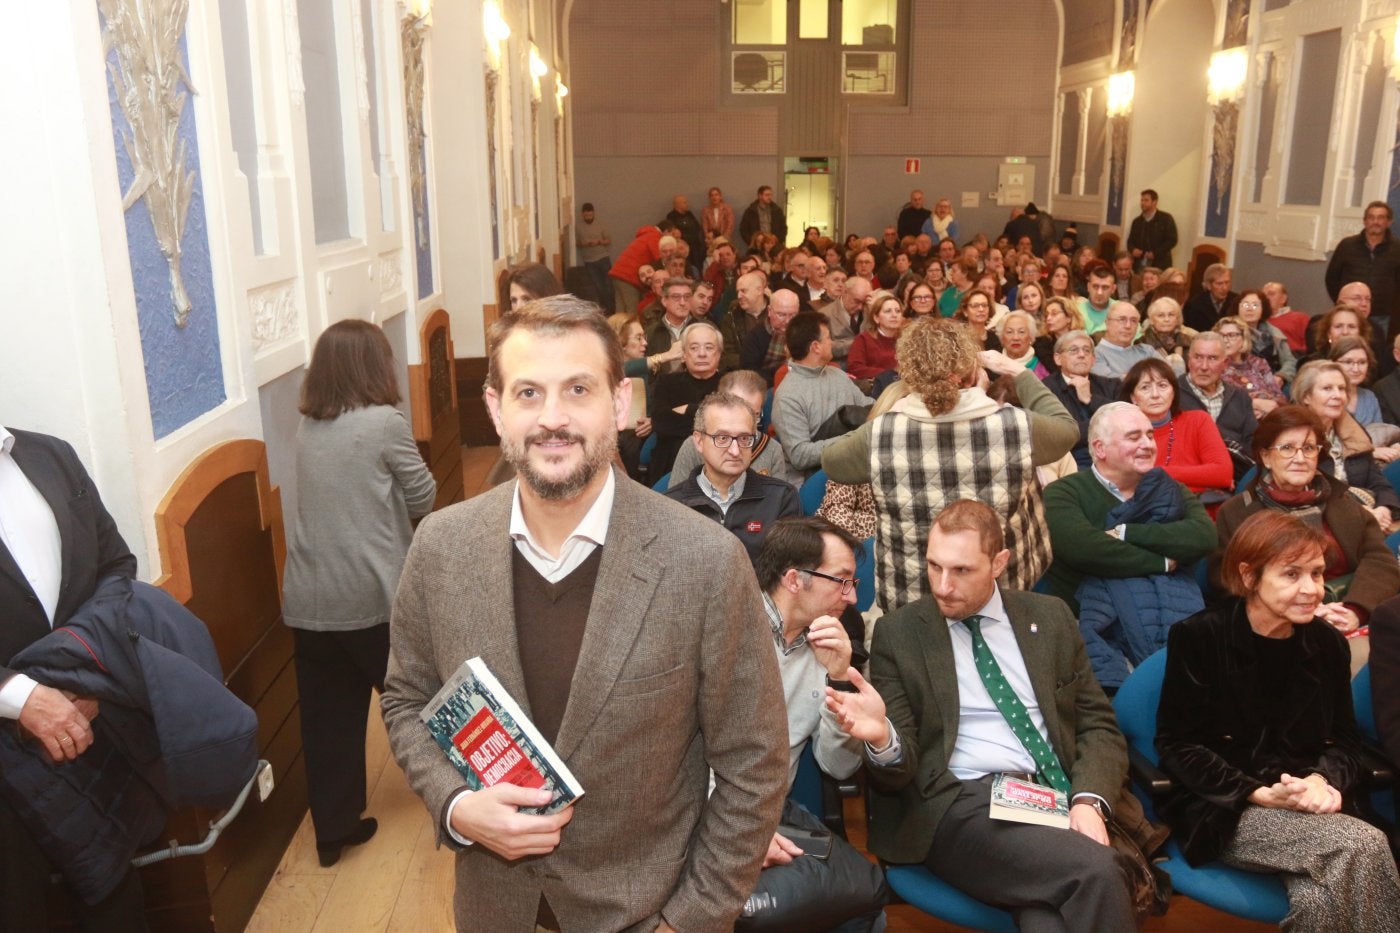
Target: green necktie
{"points": [[1013, 710]]}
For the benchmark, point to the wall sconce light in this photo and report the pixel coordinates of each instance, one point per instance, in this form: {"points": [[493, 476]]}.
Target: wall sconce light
{"points": [[561, 90], [1120, 94], [537, 66], [1395, 52], [1225, 79], [417, 9], [496, 30], [1224, 88]]}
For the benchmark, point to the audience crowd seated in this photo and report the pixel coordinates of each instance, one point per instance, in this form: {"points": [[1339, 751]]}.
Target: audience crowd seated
{"points": [[1165, 400], [996, 367]]}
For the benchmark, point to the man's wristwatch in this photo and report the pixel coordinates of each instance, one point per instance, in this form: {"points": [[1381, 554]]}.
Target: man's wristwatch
{"points": [[1097, 804], [845, 686]]}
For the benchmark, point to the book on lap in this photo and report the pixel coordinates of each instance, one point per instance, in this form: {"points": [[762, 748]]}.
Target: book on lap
{"points": [[1025, 802], [490, 740]]}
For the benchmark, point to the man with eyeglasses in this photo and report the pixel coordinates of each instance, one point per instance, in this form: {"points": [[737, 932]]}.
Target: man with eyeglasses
{"points": [[806, 571], [816, 403], [676, 296], [1080, 390], [724, 488], [1117, 353]]}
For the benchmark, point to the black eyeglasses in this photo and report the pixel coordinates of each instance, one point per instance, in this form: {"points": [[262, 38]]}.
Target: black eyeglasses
{"points": [[724, 440], [846, 585]]}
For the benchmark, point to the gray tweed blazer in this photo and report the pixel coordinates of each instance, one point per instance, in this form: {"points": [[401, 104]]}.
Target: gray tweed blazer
{"points": [[676, 676]]}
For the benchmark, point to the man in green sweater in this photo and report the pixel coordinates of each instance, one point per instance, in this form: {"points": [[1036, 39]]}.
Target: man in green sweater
{"points": [[1124, 450]]}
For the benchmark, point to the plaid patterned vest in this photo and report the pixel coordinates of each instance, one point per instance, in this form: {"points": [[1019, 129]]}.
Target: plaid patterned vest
{"points": [[919, 467]]}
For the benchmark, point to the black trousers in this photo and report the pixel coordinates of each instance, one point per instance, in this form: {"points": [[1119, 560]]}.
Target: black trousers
{"points": [[1050, 878], [336, 672], [24, 888]]}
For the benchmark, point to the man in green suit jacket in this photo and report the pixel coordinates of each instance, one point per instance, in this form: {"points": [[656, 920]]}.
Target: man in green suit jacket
{"points": [[937, 740]]}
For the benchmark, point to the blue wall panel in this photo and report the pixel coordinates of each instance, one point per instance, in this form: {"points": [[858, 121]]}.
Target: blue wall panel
{"points": [[184, 371]]}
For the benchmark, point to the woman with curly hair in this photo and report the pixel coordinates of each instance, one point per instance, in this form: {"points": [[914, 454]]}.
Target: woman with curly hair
{"points": [[945, 440]]}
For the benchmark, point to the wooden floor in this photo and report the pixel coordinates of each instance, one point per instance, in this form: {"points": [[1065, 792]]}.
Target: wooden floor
{"points": [[398, 881]]}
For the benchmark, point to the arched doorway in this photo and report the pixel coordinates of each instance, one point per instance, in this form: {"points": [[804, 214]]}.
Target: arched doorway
{"points": [[1167, 149]]}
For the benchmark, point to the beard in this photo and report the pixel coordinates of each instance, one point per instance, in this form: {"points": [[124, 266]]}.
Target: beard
{"points": [[596, 456]]}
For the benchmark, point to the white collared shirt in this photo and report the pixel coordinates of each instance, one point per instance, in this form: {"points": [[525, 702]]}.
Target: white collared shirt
{"points": [[985, 742], [591, 533], [29, 531]]}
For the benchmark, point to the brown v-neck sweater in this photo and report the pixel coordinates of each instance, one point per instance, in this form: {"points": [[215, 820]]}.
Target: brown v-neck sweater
{"points": [[549, 623]]}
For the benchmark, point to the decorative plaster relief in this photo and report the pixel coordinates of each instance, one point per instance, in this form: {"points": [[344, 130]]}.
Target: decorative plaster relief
{"points": [[390, 272], [1296, 229], [357, 33], [1252, 226], [274, 313], [149, 81], [291, 37], [412, 36]]}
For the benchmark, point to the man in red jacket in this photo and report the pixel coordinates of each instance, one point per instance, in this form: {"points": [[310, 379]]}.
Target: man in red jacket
{"points": [[645, 249]]}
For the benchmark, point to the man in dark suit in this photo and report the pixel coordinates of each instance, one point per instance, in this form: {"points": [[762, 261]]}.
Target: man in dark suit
{"points": [[1079, 390], [629, 628], [1152, 236], [1214, 301], [977, 681], [57, 543]]}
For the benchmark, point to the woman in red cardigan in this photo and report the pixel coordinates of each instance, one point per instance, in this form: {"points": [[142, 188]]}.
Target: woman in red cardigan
{"points": [[872, 352], [1189, 446]]}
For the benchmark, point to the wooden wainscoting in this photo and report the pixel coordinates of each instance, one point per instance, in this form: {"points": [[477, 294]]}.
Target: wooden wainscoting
{"points": [[222, 540], [432, 389], [477, 428]]}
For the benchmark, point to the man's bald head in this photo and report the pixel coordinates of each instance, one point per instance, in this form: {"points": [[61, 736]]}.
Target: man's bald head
{"points": [[857, 291], [1356, 295]]}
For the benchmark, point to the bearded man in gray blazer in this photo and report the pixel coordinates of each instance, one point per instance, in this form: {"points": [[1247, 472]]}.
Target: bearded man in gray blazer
{"points": [[633, 633]]}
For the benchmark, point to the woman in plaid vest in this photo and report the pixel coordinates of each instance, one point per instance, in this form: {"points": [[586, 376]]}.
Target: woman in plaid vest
{"points": [[946, 440]]}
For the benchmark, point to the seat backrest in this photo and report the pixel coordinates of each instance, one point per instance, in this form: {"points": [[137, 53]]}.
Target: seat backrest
{"points": [[1392, 473], [1136, 704], [812, 492], [662, 484], [432, 392], [1202, 257], [865, 575], [1361, 702], [1108, 245]]}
